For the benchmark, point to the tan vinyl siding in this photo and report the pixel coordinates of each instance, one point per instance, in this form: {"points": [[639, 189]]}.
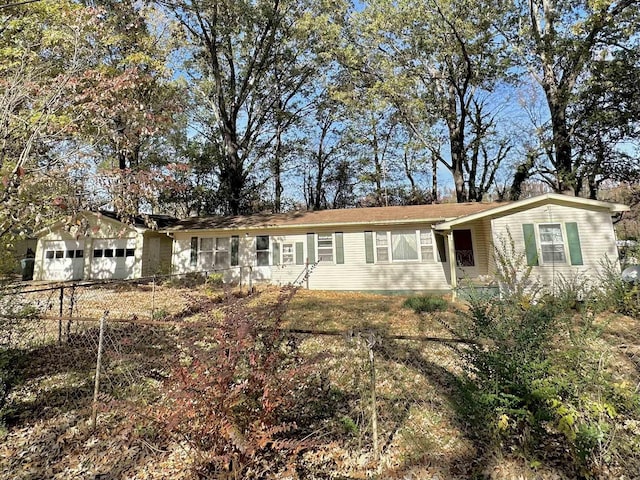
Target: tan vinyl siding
{"points": [[596, 233], [354, 274]]}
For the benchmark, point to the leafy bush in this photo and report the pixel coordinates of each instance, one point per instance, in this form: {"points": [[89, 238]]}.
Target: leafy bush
{"points": [[230, 395], [536, 379], [426, 303], [215, 280], [614, 294]]}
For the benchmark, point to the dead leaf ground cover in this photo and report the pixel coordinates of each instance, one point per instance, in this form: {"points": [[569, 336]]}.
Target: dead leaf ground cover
{"points": [[420, 434]]}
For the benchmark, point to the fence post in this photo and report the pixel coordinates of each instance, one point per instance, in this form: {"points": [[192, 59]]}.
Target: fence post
{"points": [[374, 404], [153, 296], [60, 320], [96, 385], [71, 305]]}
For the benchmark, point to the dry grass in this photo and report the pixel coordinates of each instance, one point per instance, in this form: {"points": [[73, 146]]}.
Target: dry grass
{"points": [[420, 434]]}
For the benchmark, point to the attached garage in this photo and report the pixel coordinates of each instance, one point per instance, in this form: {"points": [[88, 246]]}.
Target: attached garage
{"points": [[98, 246], [63, 259], [113, 258]]}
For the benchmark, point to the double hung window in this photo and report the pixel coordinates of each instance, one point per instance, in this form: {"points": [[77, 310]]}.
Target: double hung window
{"points": [[552, 243], [262, 250]]}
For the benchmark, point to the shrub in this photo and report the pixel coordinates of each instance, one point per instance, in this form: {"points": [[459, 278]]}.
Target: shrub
{"points": [[426, 303], [536, 379], [215, 280], [232, 390]]}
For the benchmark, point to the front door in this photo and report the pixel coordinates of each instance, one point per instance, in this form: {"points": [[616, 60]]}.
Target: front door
{"points": [[463, 245]]}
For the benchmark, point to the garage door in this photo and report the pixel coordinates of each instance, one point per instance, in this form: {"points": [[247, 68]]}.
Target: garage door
{"points": [[63, 260], [113, 258]]}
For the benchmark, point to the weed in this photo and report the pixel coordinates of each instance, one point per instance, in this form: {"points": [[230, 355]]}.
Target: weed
{"points": [[426, 303]]}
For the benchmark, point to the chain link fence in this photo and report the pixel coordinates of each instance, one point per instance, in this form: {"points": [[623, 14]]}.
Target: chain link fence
{"points": [[93, 355]]}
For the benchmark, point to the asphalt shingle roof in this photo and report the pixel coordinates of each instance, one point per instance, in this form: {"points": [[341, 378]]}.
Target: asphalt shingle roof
{"points": [[348, 216]]}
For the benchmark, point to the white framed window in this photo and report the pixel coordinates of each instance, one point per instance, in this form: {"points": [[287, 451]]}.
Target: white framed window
{"points": [[222, 258], [325, 247], [213, 252], [552, 243], [382, 246], [262, 250], [426, 246], [205, 252], [288, 255], [404, 246]]}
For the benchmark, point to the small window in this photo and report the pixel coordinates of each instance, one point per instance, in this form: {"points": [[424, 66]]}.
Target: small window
{"points": [[59, 253], [70, 254], [49, 254], [131, 252], [552, 243], [262, 250], [325, 247], [205, 254], [79, 253], [235, 247], [426, 245], [120, 252], [108, 252], [287, 254], [382, 247], [98, 253], [221, 259]]}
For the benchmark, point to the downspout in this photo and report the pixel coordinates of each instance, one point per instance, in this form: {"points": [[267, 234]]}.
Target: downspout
{"points": [[452, 264]]}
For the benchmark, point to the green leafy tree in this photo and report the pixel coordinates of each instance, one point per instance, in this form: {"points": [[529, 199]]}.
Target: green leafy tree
{"points": [[435, 62], [558, 41]]}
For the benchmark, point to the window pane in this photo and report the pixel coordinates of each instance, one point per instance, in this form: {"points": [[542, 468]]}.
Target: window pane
{"points": [[222, 244], [79, 253], [222, 259], [59, 253], [551, 243], [262, 242], [206, 244], [404, 246], [325, 247], [206, 259], [120, 252], [108, 252], [130, 252], [382, 239], [49, 254], [426, 245], [287, 253], [97, 253], [262, 258], [70, 254]]}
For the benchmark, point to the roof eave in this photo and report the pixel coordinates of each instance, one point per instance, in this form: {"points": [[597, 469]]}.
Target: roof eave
{"points": [[528, 202], [372, 223]]}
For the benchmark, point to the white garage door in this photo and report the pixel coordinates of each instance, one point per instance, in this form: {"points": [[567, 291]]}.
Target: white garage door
{"points": [[63, 260], [113, 258]]}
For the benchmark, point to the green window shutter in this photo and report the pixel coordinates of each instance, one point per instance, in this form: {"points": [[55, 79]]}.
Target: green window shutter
{"points": [[311, 247], [299, 253], [573, 239], [235, 247], [194, 251], [368, 246], [530, 247], [275, 254], [339, 248], [442, 247]]}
